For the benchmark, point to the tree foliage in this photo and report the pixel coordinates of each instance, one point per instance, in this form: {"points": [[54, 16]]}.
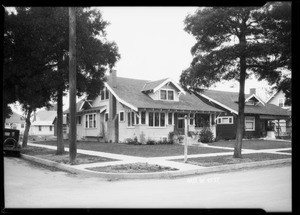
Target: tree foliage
{"points": [[233, 43]]}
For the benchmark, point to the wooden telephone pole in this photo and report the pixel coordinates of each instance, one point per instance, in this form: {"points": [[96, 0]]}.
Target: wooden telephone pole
{"points": [[72, 82]]}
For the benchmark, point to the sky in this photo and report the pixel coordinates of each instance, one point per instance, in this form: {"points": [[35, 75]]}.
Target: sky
{"points": [[153, 44]]}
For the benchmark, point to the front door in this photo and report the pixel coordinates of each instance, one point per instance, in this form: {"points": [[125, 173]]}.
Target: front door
{"points": [[179, 123]]}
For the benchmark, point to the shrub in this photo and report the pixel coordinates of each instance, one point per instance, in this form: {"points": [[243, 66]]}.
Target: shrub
{"points": [[206, 136], [133, 141], [151, 142]]}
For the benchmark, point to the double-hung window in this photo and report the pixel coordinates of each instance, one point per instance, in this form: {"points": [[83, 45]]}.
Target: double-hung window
{"points": [[225, 120], [143, 117], [250, 123], [167, 95], [130, 119], [90, 121], [170, 118], [157, 119]]}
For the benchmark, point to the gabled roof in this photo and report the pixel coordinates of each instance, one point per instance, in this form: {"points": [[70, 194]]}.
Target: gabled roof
{"points": [[44, 117], [15, 118], [228, 100], [81, 105], [156, 85], [128, 92], [256, 97], [272, 96]]}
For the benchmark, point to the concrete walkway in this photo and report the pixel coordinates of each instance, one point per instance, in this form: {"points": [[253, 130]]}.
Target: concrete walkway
{"points": [[162, 161]]}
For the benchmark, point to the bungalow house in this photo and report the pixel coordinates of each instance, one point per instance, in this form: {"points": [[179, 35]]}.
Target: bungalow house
{"points": [[283, 127], [16, 121], [257, 113], [131, 108], [42, 123]]}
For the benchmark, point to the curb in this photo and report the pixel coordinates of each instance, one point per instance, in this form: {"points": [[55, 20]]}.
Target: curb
{"points": [[156, 175]]}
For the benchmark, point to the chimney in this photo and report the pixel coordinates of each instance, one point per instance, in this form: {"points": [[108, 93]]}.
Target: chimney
{"points": [[113, 74], [252, 91]]}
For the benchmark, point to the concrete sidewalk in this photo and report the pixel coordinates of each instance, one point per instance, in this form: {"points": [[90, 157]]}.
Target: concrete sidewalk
{"points": [[182, 168]]}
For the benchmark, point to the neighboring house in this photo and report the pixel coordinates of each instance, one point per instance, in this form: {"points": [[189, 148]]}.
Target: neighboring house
{"points": [[16, 121], [258, 114], [65, 127], [285, 126], [42, 123], [131, 108]]}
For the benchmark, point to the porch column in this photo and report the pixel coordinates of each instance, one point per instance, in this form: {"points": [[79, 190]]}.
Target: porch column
{"points": [[212, 124]]}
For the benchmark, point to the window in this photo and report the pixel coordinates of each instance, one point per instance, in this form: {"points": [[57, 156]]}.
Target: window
{"points": [[90, 121], [157, 119], [191, 120], [170, 118], [137, 120], [121, 116], [40, 128], [250, 123], [150, 119], [163, 95], [170, 95], [143, 117], [225, 120], [167, 95], [281, 102], [250, 102], [50, 128], [104, 94], [64, 129], [22, 125], [78, 120], [201, 120], [106, 117], [130, 119]]}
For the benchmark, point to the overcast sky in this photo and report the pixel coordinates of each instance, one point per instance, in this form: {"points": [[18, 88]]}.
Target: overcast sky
{"points": [[153, 44]]}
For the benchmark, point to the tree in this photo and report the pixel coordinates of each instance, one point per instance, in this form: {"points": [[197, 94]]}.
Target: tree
{"points": [[234, 42], [38, 46]]}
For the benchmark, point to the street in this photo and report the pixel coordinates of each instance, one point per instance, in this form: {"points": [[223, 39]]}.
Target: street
{"points": [[27, 185]]}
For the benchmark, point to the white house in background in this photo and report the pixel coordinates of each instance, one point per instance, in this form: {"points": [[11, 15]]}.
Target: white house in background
{"points": [[278, 99], [16, 121], [42, 123]]}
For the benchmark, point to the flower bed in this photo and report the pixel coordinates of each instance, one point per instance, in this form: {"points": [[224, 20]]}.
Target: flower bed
{"points": [[132, 168]]}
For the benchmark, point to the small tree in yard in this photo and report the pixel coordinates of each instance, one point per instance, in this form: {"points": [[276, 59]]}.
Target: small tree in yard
{"points": [[233, 43]]}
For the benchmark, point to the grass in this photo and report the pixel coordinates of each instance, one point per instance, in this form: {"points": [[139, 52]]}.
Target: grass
{"points": [[140, 150], [254, 144], [228, 159], [133, 168], [50, 154]]}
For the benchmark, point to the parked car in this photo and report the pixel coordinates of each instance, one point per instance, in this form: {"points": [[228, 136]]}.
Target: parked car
{"points": [[11, 144]]}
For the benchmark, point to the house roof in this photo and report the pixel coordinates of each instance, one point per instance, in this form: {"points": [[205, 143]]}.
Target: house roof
{"points": [[79, 106], [152, 84], [15, 118], [229, 100], [128, 92], [44, 117]]}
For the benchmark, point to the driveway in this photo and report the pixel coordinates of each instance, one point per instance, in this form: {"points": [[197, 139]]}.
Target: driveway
{"points": [[27, 185]]}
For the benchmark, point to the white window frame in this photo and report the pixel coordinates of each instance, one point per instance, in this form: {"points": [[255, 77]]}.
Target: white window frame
{"points": [[172, 116], [221, 118], [132, 122], [106, 116], [167, 95], [250, 119], [120, 116], [159, 119], [281, 99], [87, 120]]}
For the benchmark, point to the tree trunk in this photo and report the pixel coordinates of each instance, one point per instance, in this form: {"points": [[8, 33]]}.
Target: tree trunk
{"points": [[60, 143], [72, 82], [27, 127], [241, 114]]}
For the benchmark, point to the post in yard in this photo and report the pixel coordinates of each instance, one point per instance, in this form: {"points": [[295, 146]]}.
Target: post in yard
{"points": [[185, 137], [72, 82]]}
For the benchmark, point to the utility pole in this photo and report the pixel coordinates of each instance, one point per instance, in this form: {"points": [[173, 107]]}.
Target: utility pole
{"points": [[72, 82]]}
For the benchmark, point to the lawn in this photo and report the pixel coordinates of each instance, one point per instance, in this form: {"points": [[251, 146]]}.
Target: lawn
{"points": [[140, 150], [228, 159], [50, 154], [255, 144]]}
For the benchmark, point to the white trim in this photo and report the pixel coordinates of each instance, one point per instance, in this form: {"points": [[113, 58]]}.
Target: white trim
{"points": [[272, 96], [253, 95], [218, 103], [222, 117], [119, 99], [252, 120], [120, 116], [165, 82]]}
